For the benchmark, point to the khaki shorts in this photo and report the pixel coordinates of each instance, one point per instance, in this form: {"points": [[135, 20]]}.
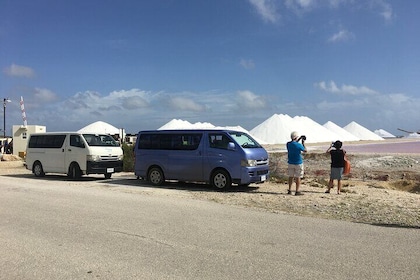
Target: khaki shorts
{"points": [[295, 170]]}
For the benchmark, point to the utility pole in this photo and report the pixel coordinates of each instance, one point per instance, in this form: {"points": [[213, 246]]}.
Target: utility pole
{"points": [[5, 100]]}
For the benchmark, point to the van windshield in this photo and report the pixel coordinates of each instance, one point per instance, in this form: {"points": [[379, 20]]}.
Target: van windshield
{"points": [[244, 140], [100, 140]]}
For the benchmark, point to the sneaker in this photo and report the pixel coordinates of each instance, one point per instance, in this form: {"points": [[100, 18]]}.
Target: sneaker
{"points": [[298, 193], [327, 191], [289, 192]]}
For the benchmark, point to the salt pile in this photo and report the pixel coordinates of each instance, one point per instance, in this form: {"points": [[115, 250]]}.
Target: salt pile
{"points": [[413, 135], [180, 124], [343, 134], [277, 129], [384, 133], [361, 132]]}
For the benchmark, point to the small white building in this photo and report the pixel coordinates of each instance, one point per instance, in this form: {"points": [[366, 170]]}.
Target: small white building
{"points": [[21, 135]]}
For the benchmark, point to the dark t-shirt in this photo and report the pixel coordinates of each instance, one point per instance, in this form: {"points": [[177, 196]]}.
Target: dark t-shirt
{"points": [[337, 158]]}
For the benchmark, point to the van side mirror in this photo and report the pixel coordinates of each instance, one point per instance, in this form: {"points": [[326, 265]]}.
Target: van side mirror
{"points": [[231, 146]]}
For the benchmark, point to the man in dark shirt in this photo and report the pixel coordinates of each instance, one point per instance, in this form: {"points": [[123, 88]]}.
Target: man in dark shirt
{"points": [[337, 165]]}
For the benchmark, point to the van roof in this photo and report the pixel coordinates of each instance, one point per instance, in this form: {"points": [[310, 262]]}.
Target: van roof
{"points": [[189, 130], [66, 132]]}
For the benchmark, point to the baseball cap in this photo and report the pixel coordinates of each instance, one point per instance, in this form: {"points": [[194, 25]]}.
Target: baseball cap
{"points": [[294, 135]]}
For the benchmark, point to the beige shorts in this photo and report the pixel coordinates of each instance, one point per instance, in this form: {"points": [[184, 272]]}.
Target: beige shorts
{"points": [[295, 170]]}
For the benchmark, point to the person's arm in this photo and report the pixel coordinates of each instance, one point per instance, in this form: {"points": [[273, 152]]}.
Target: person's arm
{"points": [[329, 148], [304, 147]]}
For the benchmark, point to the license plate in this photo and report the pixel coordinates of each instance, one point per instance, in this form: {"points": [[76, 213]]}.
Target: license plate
{"points": [[110, 170], [263, 178]]}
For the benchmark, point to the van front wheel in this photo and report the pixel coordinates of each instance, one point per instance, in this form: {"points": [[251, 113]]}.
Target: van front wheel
{"points": [[156, 176], [74, 171], [221, 180]]}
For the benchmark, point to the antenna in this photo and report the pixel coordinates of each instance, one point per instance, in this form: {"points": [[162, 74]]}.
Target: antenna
{"points": [[22, 108]]}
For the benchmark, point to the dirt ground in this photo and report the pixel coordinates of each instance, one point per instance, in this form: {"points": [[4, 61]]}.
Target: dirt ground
{"points": [[382, 189]]}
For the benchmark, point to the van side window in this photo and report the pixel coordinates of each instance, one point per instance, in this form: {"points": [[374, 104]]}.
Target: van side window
{"points": [[76, 141], [169, 141], [46, 141], [218, 140]]}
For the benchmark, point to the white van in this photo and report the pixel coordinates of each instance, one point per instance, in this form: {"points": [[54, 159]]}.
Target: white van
{"points": [[74, 154]]}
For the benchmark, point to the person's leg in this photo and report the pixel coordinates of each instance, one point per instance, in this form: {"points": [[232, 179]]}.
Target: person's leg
{"points": [[297, 184], [290, 185], [291, 173], [330, 185], [339, 187]]}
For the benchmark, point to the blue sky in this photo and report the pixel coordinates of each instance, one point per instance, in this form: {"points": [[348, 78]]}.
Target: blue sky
{"points": [[139, 64]]}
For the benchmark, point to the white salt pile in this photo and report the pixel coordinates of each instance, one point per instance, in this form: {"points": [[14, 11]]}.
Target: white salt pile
{"points": [[181, 124], [343, 134], [361, 132], [274, 130], [413, 135], [277, 130], [384, 133]]}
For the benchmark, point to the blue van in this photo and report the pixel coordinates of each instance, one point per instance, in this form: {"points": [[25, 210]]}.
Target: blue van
{"points": [[218, 157]]}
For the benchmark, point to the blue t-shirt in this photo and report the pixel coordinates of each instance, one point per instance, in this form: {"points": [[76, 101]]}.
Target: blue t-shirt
{"points": [[294, 152]]}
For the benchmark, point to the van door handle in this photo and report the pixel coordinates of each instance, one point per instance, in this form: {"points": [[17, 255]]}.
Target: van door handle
{"points": [[69, 150], [62, 150]]}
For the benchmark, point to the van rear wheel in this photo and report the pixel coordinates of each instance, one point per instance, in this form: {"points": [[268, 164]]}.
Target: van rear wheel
{"points": [[221, 180], [155, 176], [38, 170]]}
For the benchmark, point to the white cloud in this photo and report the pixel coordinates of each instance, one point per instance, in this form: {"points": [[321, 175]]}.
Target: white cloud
{"points": [[134, 102], [341, 36], [15, 70], [384, 9], [44, 95], [248, 100], [185, 104], [267, 10], [247, 64], [300, 5], [399, 98], [344, 89]]}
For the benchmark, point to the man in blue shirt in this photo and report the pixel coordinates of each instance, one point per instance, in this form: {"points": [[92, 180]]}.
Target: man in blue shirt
{"points": [[295, 161]]}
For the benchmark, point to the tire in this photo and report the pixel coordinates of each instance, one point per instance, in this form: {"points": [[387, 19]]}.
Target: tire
{"points": [[220, 179], [155, 176], [38, 170], [108, 175], [74, 171]]}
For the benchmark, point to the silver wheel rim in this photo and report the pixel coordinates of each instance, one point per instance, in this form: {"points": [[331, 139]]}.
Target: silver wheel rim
{"points": [[37, 170], [155, 177], [219, 180]]}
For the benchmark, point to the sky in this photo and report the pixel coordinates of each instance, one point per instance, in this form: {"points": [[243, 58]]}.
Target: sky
{"points": [[139, 64]]}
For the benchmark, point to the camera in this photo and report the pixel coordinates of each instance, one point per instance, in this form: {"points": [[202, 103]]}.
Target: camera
{"points": [[332, 144], [303, 138]]}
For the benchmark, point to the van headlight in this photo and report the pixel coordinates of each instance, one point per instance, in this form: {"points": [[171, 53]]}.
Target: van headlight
{"points": [[120, 157], [248, 163], [92, 158]]}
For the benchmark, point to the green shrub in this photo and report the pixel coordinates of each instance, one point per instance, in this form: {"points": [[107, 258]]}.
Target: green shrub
{"points": [[128, 162]]}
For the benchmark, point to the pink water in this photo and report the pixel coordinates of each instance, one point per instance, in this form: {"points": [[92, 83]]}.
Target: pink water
{"points": [[406, 146]]}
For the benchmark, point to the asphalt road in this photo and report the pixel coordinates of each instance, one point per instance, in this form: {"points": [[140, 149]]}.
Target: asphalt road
{"points": [[53, 228]]}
